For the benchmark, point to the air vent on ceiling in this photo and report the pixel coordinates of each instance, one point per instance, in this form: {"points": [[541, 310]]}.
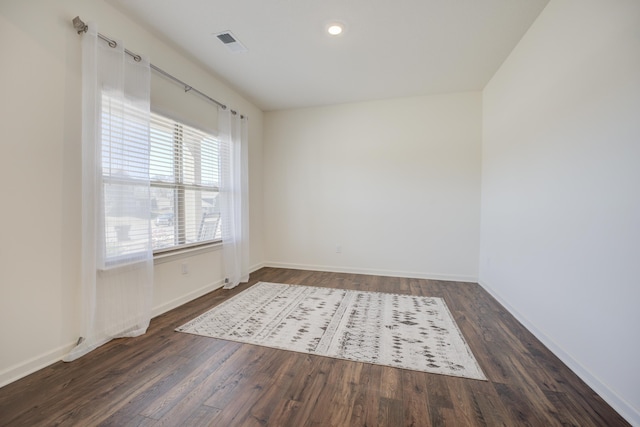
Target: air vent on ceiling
{"points": [[231, 42]]}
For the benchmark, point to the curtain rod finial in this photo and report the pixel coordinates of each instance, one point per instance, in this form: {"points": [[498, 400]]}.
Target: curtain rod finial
{"points": [[79, 25]]}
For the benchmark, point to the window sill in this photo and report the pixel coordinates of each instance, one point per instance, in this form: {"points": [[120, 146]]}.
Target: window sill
{"points": [[178, 254]]}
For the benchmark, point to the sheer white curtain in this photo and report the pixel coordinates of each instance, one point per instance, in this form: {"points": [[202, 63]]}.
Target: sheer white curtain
{"points": [[234, 200], [117, 258]]}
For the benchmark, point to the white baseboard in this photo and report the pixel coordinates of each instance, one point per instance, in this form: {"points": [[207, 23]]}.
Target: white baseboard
{"points": [[371, 271], [34, 364], [627, 411], [257, 267], [177, 302], [168, 306]]}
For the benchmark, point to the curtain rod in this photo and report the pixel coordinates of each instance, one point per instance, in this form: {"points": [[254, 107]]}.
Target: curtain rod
{"points": [[81, 27]]}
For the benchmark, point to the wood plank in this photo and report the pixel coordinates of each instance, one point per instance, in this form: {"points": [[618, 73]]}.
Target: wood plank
{"points": [[284, 411], [342, 384], [440, 404], [489, 408], [391, 383], [310, 387], [244, 395], [137, 421], [521, 409], [202, 416], [390, 412], [199, 369], [367, 399], [277, 386], [415, 400]]}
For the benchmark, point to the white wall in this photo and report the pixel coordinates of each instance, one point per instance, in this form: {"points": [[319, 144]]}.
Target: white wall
{"points": [[395, 183], [560, 242], [40, 175]]}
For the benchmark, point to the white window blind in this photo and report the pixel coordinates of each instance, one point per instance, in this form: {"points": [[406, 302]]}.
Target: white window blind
{"points": [[124, 163], [184, 171]]}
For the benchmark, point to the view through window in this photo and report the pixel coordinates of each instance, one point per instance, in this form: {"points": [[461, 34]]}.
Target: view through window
{"points": [[184, 171]]}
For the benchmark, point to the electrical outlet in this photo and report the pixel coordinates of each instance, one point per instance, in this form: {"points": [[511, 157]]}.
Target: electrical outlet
{"points": [[184, 268], [338, 249]]}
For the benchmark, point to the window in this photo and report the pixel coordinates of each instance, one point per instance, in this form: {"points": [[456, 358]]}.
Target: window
{"points": [[123, 174], [184, 171]]}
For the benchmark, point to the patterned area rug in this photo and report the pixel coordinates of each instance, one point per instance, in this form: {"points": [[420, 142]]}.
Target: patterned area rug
{"points": [[402, 331]]}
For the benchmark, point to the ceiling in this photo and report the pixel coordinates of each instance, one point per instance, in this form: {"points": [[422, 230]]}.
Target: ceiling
{"points": [[389, 48]]}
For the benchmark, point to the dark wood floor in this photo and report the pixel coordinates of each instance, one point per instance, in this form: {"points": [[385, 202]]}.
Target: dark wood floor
{"points": [[174, 379]]}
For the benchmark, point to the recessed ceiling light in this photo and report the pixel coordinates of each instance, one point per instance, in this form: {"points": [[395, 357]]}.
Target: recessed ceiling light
{"points": [[335, 29]]}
